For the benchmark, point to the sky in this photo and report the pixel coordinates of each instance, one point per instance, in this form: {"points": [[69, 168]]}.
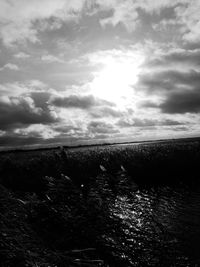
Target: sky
{"points": [[94, 71]]}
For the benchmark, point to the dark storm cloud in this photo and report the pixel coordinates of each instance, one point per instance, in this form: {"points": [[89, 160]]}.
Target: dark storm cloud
{"points": [[168, 80], [81, 102], [182, 102], [180, 91], [185, 101], [100, 127], [19, 112]]}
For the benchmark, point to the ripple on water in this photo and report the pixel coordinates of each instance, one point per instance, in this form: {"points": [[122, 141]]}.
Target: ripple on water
{"points": [[158, 227]]}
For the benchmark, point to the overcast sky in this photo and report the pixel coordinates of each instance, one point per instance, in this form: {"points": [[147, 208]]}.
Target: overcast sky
{"points": [[88, 71]]}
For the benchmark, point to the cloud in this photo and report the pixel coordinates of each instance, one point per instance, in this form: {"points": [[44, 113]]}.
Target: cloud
{"points": [[41, 98], [127, 12], [10, 66], [21, 21], [37, 130], [78, 101], [104, 112], [16, 89], [165, 24], [124, 12], [181, 102], [148, 104], [137, 122], [21, 55], [185, 101], [18, 19], [22, 111], [156, 74], [186, 12], [177, 91], [176, 56], [50, 59], [71, 129], [101, 127], [168, 80], [16, 140], [189, 16], [18, 32]]}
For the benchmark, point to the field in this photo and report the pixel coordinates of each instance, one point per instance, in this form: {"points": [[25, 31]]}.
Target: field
{"points": [[71, 207]]}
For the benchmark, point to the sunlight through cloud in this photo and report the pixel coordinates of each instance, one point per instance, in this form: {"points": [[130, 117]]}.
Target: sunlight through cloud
{"points": [[115, 81]]}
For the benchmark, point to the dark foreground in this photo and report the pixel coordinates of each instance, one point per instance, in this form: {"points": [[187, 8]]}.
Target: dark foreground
{"points": [[101, 206]]}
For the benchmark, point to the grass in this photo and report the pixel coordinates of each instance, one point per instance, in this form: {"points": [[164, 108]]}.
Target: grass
{"points": [[54, 204]]}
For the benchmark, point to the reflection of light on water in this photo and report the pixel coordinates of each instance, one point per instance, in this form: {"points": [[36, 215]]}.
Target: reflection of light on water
{"points": [[148, 223], [130, 212]]}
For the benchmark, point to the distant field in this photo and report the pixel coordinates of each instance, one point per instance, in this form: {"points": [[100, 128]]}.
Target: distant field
{"points": [[73, 207], [151, 161]]}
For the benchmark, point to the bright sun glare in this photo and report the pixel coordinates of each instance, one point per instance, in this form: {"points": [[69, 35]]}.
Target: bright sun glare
{"points": [[114, 82]]}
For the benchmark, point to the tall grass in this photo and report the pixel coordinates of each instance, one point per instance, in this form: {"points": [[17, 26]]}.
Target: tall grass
{"points": [[55, 204]]}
